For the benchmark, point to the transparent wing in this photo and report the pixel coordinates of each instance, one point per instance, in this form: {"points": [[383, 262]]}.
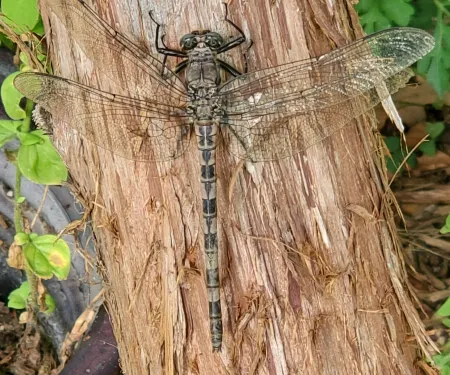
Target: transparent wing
{"points": [[274, 137], [131, 128], [261, 105], [127, 64]]}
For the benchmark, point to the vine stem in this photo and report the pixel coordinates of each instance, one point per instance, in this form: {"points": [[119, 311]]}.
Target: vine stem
{"points": [[31, 277]]}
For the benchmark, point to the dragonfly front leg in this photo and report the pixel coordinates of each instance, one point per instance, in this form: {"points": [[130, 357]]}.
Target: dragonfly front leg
{"points": [[236, 41], [164, 50]]}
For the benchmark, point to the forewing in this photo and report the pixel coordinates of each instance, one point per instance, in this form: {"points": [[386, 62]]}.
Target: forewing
{"points": [[132, 68], [131, 128], [259, 107], [327, 80], [273, 137]]}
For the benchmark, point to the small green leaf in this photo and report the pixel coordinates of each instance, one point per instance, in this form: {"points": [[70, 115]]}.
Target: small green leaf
{"points": [[29, 139], [50, 303], [376, 15], [435, 129], [444, 310], [21, 238], [23, 57], [446, 228], [373, 21], [390, 165], [18, 298], [41, 57], [8, 130], [399, 12], [412, 160], [5, 41], [437, 63], [47, 256], [392, 143], [441, 359], [21, 15], [396, 159], [11, 98], [20, 199], [446, 322], [424, 15], [41, 163], [428, 147], [39, 28]]}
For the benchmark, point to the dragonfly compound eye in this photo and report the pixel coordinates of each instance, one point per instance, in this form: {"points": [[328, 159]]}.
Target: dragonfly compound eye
{"points": [[188, 42], [213, 40]]}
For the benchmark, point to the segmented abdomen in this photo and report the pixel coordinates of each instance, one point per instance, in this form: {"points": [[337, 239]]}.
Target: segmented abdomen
{"points": [[206, 136]]}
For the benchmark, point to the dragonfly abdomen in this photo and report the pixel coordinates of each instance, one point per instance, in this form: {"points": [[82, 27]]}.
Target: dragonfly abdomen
{"points": [[206, 143]]}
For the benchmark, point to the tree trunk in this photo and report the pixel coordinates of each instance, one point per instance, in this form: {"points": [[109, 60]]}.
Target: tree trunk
{"points": [[311, 278]]}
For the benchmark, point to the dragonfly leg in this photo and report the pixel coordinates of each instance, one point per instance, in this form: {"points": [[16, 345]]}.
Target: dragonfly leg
{"points": [[234, 42], [181, 66], [164, 50], [231, 132], [246, 56], [229, 68], [237, 41]]}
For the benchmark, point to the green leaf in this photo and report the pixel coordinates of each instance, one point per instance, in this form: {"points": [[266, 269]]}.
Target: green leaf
{"points": [[446, 322], [398, 12], [390, 165], [39, 28], [47, 256], [436, 64], [428, 147], [446, 228], [435, 129], [23, 57], [21, 15], [441, 360], [396, 159], [50, 303], [392, 143], [29, 139], [39, 162], [42, 57], [426, 11], [373, 21], [18, 298], [446, 370], [444, 310], [11, 98], [21, 238], [20, 199], [412, 160], [376, 15], [5, 41], [8, 130]]}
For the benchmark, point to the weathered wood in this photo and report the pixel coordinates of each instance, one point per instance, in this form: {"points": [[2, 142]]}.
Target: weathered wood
{"points": [[305, 242]]}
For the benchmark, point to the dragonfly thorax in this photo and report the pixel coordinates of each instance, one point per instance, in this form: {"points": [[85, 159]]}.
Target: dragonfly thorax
{"points": [[202, 70]]}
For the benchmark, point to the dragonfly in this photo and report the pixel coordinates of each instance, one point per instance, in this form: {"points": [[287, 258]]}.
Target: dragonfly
{"points": [[264, 115]]}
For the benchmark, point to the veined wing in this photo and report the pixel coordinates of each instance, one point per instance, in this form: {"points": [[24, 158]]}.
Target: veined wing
{"points": [[274, 137], [259, 107], [131, 128], [127, 64], [327, 80]]}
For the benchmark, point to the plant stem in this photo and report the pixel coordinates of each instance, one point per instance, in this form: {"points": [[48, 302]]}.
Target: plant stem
{"points": [[441, 7], [27, 120], [31, 277]]}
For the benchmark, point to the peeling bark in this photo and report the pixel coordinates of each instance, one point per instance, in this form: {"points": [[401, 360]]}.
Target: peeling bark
{"points": [[312, 282]]}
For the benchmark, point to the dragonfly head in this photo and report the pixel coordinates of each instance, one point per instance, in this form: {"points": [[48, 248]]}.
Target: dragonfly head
{"points": [[211, 39]]}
